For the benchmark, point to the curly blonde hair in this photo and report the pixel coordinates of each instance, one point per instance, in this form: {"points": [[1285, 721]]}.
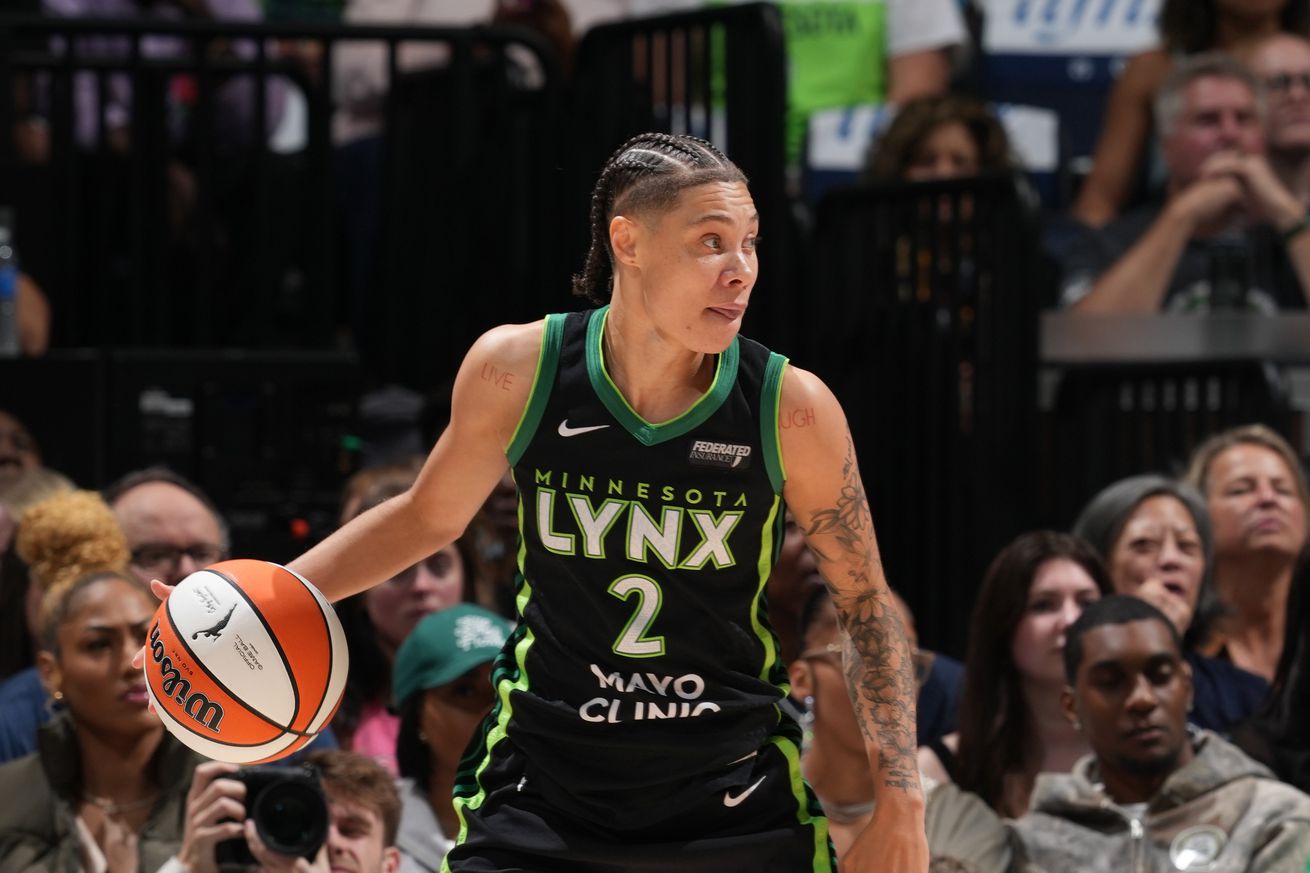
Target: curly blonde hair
{"points": [[66, 537]]}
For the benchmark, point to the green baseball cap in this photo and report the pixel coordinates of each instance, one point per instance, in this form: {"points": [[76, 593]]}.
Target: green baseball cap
{"points": [[443, 646]]}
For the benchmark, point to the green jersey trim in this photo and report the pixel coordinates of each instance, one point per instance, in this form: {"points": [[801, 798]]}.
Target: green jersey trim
{"points": [[770, 401], [506, 681], [552, 335], [769, 536], [823, 860], [645, 432]]}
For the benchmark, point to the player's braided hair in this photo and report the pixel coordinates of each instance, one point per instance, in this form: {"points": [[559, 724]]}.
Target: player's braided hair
{"points": [[646, 174]]}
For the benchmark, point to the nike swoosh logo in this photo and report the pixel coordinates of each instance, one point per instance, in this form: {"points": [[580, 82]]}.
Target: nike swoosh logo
{"points": [[730, 801], [566, 431]]}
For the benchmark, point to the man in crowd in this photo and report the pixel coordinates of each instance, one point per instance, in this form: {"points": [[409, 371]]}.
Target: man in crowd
{"points": [[1282, 64], [363, 815], [1229, 234], [171, 527], [1153, 795]]}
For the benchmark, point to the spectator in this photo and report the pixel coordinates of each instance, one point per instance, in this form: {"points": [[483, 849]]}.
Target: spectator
{"points": [[854, 52], [363, 813], [67, 534], [1256, 493], [171, 526], [442, 690], [105, 792], [377, 621], [1282, 64], [18, 450], [1154, 535], [1279, 735], [1010, 724], [1187, 27], [1188, 801], [940, 137], [17, 620], [1228, 235]]}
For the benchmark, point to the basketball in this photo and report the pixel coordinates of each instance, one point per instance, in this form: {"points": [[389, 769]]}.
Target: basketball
{"points": [[245, 661]]}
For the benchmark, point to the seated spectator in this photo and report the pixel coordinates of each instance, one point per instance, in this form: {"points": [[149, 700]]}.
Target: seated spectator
{"points": [[1279, 735], [106, 790], [939, 137], [1154, 535], [1256, 492], [17, 616], [18, 450], [1187, 28], [378, 620], [851, 54], [1187, 801], [1228, 235], [442, 690], [1282, 64], [67, 534], [1010, 724], [172, 528], [363, 813]]}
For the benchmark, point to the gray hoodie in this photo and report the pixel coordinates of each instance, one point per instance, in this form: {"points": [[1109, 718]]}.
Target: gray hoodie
{"points": [[1222, 813]]}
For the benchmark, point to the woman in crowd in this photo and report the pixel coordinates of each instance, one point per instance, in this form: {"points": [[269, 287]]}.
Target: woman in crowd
{"points": [[442, 688], [939, 138], [377, 621], [1256, 493], [1011, 726], [1187, 27], [1279, 735], [17, 621], [1154, 535], [106, 790]]}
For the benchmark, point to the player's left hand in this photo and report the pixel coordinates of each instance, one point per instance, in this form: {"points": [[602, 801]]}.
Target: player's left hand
{"points": [[892, 842], [161, 591]]}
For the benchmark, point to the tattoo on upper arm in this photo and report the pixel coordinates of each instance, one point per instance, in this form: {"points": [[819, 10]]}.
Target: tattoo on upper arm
{"points": [[790, 418], [502, 379], [879, 668]]}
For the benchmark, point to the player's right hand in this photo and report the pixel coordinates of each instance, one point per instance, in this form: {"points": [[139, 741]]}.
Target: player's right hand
{"points": [[161, 591]]}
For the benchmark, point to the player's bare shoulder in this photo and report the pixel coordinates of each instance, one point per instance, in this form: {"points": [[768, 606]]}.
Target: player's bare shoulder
{"points": [[496, 378], [809, 416]]}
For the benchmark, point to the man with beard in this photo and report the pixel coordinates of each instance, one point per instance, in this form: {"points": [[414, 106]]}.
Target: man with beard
{"points": [[1153, 795]]}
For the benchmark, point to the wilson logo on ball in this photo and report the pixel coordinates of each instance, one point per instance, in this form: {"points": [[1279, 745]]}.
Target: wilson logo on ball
{"points": [[196, 705]]}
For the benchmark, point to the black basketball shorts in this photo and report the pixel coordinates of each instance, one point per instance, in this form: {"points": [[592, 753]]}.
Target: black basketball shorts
{"points": [[756, 815]]}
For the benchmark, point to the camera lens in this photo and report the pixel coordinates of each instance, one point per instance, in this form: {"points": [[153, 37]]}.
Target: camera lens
{"points": [[291, 819]]}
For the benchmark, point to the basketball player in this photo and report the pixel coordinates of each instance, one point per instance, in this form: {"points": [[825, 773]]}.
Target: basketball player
{"points": [[637, 724]]}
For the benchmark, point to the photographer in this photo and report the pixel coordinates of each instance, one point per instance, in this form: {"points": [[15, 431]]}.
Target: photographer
{"points": [[363, 814]]}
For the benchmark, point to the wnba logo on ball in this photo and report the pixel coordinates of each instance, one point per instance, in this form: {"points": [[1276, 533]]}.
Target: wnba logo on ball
{"points": [[196, 705]]}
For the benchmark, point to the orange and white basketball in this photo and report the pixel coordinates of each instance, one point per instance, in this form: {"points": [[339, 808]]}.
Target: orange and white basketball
{"points": [[245, 661]]}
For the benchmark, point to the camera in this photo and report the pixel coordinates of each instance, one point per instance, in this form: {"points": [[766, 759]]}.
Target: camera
{"points": [[289, 809]]}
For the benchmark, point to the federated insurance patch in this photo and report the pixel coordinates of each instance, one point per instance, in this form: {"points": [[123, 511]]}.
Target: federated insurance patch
{"points": [[1196, 850], [719, 456]]}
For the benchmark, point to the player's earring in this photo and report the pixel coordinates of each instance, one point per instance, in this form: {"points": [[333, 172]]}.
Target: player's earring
{"points": [[54, 703], [58, 696], [1077, 725]]}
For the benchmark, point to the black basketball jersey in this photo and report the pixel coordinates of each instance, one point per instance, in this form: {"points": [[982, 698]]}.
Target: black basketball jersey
{"points": [[644, 658]]}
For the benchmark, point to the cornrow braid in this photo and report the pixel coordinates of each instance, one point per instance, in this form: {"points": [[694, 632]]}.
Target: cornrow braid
{"points": [[646, 174]]}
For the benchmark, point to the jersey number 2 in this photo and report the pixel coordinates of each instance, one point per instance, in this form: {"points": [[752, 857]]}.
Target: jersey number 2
{"points": [[633, 642]]}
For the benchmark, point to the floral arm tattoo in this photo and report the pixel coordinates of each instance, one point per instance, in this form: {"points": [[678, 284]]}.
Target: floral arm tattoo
{"points": [[879, 669]]}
